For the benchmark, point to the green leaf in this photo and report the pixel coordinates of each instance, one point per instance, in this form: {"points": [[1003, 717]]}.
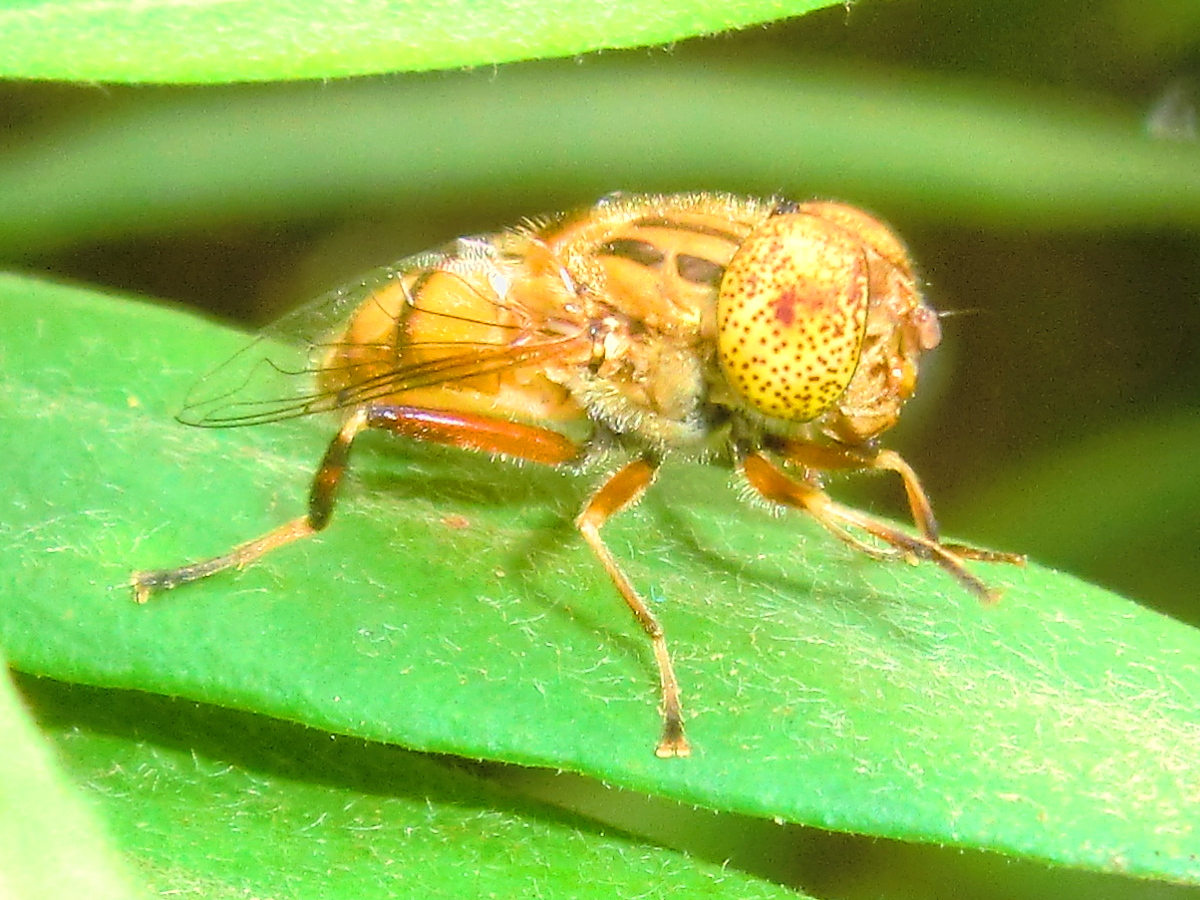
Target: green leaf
{"points": [[220, 804], [260, 40], [451, 608], [50, 846]]}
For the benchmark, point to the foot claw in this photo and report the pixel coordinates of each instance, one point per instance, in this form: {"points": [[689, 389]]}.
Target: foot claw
{"points": [[673, 743]]}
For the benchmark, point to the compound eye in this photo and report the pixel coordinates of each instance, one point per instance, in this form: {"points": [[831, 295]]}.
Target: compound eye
{"points": [[792, 314]]}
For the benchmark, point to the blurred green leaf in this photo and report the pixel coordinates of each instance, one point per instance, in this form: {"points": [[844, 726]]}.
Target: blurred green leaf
{"points": [[50, 846], [821, 687], [260, 40], [1117, 504], [528, 134]]}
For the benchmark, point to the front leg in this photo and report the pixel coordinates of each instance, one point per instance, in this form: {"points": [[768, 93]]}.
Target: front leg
{"points": [[832, 457], [777, 486]]}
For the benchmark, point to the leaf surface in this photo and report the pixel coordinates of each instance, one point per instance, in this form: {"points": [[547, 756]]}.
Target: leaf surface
{"points": [[452, 608], [214, 803], [209, 41]]}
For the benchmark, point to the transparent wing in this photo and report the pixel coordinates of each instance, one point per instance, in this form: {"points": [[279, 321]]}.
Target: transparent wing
{"points": [[280, 375]]}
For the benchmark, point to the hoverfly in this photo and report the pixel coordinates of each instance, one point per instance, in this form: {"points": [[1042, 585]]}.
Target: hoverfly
{"points": [[782, 337]]}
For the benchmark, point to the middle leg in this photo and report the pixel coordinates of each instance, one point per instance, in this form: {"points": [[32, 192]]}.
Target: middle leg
{"points": [[623, 489]]}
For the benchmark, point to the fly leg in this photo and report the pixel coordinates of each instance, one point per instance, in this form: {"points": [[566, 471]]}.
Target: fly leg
{"points": [[817, 456], [439, 426], [320, 508], [623, 489], [777, 486]]}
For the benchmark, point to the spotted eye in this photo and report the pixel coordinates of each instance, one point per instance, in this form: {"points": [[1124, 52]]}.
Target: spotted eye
{"points": [[791, 315]]}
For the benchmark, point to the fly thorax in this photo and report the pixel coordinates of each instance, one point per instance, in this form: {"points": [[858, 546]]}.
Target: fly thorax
{"points": [[646, 388]]}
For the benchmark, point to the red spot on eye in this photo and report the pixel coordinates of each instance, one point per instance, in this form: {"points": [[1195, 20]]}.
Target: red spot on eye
{"points": [[784, 307], [791, 303]]}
